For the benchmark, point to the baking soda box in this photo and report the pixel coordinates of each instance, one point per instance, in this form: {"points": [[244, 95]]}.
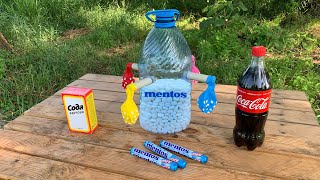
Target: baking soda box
{"points": [[80, 109]]}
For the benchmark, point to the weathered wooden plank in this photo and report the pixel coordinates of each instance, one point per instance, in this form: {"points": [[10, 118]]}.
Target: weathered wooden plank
{"points": [[53, 108], [5, 177], [276, 104], [102, 78], [217, 120], [21, 166], [112, 89], [287, 143], [286, 94], [110, 159], [111, 129], [225, 156]]}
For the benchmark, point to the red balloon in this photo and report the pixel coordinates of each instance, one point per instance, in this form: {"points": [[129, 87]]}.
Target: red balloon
{"points": [[127, 77]]}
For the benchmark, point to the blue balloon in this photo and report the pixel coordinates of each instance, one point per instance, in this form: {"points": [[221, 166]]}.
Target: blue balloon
{"points": [[207, 101]]}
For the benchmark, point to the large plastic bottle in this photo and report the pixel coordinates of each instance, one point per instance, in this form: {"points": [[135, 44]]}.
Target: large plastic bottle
{"points": [[165, 105]]}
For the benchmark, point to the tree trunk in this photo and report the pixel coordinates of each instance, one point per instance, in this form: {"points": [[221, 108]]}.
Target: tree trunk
{"points": [[4, 43]]}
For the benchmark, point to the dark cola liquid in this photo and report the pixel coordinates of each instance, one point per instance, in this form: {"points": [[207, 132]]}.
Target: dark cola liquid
{"points": [[249, 128]]}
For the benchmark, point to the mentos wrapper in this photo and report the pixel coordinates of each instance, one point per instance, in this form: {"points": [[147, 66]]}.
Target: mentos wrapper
{"points": [[165, 154], [154, 159], [184, 151]]}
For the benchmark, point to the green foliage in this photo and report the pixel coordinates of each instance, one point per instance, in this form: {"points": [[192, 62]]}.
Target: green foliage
{"points": [[186, 7], [31, 22], [223, 10], [299, 74], [223, 53], [44, 65], [2, 64], [114, 26], [63, 14]]}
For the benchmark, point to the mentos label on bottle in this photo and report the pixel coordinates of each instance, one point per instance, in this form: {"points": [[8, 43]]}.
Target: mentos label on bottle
{"points": [[253, 101], [80, 109], [165, 106]]}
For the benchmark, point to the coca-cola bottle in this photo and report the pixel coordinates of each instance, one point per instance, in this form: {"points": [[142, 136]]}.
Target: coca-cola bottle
{"points": [[252, 102]]}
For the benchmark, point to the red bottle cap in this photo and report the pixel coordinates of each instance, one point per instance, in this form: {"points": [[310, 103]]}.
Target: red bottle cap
{"points": [[259, 50]]}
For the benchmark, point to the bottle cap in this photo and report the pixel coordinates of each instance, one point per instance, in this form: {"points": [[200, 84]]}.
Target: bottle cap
{"points": [[259, 50], [164, 18]]}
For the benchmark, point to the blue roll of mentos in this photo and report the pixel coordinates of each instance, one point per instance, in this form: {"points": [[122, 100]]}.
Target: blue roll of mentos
{"points": [[154, 159], [165, 154], [184, 151]]}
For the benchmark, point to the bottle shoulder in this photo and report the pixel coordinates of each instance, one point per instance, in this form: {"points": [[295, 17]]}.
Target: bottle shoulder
{"points": [[165, 44], [168, 37], [255, 78], [165, 54]]}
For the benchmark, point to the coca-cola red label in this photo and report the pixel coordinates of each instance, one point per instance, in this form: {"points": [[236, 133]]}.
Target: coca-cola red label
{"points": [[253, 101]]}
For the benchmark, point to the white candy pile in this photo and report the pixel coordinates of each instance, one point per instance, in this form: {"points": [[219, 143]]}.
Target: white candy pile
{"points": [[165, 106]]}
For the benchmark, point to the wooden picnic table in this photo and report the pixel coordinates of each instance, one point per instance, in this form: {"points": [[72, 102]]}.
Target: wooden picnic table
{"points": [[38, 144]]}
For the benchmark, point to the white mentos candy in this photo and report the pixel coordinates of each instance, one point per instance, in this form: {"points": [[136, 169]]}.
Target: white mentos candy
{"points": [[168, 102]]}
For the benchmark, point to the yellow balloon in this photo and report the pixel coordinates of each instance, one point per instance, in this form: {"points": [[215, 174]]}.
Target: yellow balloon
{"points": [[129, 109]]}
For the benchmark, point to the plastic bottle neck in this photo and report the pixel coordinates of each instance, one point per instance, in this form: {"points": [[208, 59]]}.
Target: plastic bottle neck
{"points": [[257, 61]]}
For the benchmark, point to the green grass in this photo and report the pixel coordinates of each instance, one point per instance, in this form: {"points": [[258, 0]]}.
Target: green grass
{"points": [[44, 61]]}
